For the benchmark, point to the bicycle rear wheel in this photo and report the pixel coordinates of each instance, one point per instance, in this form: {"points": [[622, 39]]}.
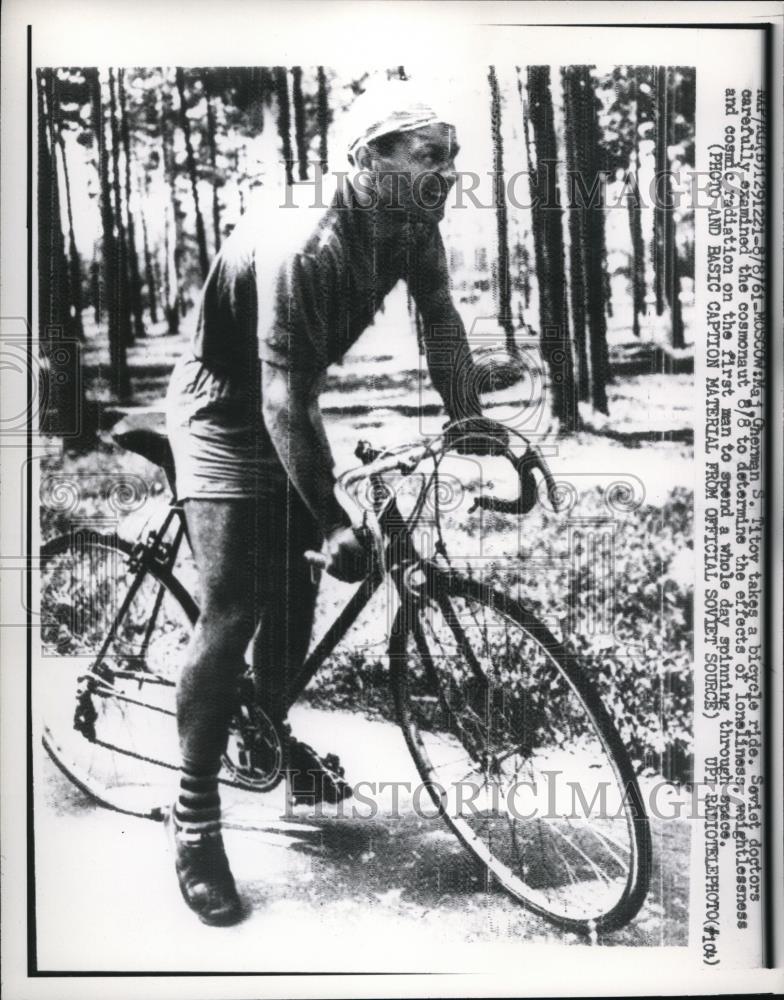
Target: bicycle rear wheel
{"points": [[112, 641], [519, 754]]}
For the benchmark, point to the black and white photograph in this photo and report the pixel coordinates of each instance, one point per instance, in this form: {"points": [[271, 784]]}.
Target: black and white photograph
{"points": [[395, 488]]}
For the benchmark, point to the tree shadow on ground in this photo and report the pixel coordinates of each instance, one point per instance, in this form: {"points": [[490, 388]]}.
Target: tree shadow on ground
{"points": [[418, 859], [417, 865]]}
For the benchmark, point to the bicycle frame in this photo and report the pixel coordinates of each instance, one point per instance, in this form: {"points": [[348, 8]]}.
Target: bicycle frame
{"points": [[161, 554], [401, 553], [401, 549]]}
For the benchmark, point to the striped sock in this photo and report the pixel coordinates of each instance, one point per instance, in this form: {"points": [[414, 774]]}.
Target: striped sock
{"points": [[197, 812]]}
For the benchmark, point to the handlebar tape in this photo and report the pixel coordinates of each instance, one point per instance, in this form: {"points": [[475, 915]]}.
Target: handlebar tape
{"points": [[526, 501]]}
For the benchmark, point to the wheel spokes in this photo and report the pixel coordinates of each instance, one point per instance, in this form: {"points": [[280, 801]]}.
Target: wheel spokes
{"points": [[507, 719]]}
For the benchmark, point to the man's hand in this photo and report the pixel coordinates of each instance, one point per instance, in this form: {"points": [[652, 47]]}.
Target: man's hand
{"points": [[348, 559], [477, 436]]}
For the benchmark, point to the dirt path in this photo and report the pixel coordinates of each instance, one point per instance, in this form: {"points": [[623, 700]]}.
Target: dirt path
{"points": [[324, 894]]}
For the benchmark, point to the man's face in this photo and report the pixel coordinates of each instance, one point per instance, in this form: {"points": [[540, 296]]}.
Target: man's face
{"points": [[415, 176]]}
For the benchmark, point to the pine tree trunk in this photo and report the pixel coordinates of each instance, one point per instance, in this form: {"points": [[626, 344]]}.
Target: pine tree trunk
{"points": [[549, 247], [299, 122], [667, 208], [149, 271], [95, 282], [118, 366], [172, 231], [241, 185], [596, 258], [54, 299], [577, 237], [525, 270], [678, 340], [662, 188], [171, 295], [135, 283], [74, 261], [504, 303], [673, 280], [211, 139], [124, 285], [634, 205], [201, 236], [638, 252], [323, 117], [45, 211], [95, 262], [75, 326], [284, 120]]}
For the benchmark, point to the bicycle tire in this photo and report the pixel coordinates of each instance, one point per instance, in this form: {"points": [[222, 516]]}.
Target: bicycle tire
{"points": [[433, 696], [85, 575]]}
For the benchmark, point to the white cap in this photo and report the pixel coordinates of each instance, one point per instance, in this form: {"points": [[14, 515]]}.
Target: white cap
{"points": [[394, 106]]}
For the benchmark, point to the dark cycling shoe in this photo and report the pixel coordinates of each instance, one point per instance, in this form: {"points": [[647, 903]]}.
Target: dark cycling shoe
{"points": [[312, 778], [206, 882]]}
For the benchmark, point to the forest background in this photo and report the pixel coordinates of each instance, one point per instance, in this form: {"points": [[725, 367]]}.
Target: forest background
{"points": [[578, 291]]}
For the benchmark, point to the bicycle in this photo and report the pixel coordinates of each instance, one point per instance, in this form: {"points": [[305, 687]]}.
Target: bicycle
{"points": [[488, 699]]}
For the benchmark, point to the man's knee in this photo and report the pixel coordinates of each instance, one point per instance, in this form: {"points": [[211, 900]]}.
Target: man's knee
{"points": [[227, 624]]}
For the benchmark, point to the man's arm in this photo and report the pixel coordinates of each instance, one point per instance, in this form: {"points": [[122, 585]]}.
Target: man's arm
{"points": [[293, 420], [449, 358]]}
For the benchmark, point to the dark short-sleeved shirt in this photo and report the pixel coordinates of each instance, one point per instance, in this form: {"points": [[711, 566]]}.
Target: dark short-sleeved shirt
{"points": [[300, 294]]}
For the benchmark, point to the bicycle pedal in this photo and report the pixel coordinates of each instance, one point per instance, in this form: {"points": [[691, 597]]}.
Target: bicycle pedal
{"points": [[313, 778]]}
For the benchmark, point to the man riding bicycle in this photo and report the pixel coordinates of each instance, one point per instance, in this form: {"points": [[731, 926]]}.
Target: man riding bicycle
{"points": [[253, 461]]}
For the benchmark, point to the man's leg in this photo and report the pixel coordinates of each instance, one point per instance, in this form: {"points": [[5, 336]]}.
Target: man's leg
{"points": [[288, 530], [223, 540]]}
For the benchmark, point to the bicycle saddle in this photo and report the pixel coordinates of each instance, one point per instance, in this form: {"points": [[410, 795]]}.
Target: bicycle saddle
{"points": [[145, 434]]}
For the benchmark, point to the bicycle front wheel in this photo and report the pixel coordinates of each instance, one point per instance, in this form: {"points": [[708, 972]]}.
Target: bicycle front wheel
{"points": [[520, 755], [112, 640]]}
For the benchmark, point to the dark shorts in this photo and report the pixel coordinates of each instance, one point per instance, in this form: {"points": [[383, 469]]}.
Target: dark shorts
{"points": [[221, 447]]}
